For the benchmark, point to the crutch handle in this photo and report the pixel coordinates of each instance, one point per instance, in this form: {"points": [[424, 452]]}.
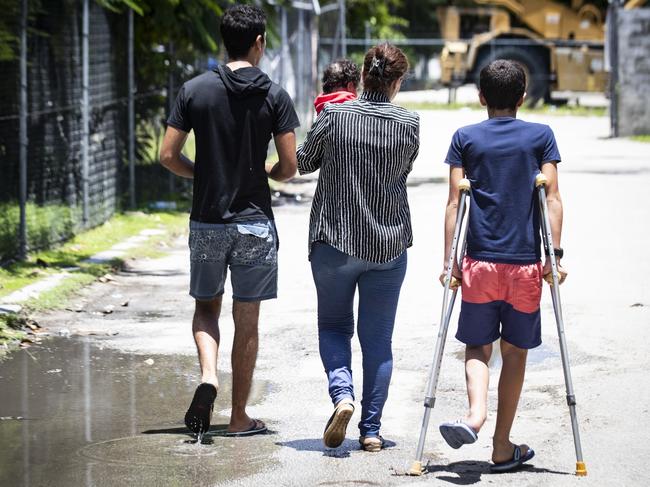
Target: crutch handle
{"points": [[454, 282], [464, 185], [540, 180]]}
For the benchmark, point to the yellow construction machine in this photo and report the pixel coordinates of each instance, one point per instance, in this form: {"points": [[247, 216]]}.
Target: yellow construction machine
{"points": [[560, 45]]}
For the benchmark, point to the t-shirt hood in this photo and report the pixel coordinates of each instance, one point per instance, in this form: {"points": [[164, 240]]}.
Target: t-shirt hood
{"points": [[244, 81]]}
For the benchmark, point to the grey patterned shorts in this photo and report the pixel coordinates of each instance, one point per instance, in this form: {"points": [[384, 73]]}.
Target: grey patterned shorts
{"points": [[249, 249]]}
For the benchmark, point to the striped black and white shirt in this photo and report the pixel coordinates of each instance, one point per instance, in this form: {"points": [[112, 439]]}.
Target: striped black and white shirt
{"points": [[365, 150]]}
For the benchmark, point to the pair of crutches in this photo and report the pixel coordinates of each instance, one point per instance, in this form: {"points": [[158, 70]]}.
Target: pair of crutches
{"points": [[448, 305]]}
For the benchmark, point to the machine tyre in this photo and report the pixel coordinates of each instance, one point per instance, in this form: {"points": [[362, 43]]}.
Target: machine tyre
{"points": [[532, 59]]}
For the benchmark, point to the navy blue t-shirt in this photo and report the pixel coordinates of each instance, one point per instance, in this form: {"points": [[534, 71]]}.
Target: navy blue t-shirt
{"points": [[501, 157]]}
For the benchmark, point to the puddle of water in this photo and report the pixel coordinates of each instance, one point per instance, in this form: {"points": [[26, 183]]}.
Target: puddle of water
{"points": [[151, 316], [74, 414]]}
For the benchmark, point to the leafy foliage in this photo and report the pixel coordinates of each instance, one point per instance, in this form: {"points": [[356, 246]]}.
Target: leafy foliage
{"points": [[46, 225], [191, 22], [382, 17], [10, 26]]}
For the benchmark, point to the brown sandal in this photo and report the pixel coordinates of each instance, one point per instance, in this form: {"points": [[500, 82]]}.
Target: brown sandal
{"points": [[371, 443], [334, 433]]}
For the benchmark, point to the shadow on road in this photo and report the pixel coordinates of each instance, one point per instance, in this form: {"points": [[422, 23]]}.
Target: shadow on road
{"points": [[316, 444], [470, 472]]}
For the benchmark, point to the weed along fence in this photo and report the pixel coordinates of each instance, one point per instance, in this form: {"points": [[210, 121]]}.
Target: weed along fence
{"points": [[69, 119]]}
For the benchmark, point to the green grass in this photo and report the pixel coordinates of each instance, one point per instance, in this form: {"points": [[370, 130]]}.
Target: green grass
{"points": [[10, 330], [641, 138], [81, 247], [72, 254], [46, 225], [564, 110], [58, 297], [568, 110]]}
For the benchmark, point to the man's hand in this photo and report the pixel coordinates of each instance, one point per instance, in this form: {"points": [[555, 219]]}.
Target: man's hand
{"points": [[285, 168], [548, 275], [171, 156]]}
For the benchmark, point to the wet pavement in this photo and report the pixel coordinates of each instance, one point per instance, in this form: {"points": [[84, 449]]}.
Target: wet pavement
{"points": [[74, 413]]}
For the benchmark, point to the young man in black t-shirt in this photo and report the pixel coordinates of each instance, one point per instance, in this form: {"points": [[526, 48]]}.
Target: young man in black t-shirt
{"points": [[234, 111]]}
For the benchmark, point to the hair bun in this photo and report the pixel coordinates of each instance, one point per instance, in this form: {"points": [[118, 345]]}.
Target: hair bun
{"points": [[377, 65], [382, 65]]}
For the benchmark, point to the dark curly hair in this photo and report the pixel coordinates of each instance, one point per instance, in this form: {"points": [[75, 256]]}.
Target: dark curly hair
{"points": [[240, 26], [338, 74], [502, 83]]}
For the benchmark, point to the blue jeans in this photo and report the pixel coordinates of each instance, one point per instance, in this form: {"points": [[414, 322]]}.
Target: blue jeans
{"points": [[337, 276]]}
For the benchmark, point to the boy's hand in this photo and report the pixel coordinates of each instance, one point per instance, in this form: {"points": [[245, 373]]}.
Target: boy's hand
{"points": [[456, 277], [548, 275]]}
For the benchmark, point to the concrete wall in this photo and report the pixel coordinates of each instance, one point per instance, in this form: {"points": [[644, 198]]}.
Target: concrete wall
{"points": [[634, 71]]}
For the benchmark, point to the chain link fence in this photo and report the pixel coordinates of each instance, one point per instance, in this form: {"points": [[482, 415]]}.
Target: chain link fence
{"points": [[73, 169], [65, 191]]}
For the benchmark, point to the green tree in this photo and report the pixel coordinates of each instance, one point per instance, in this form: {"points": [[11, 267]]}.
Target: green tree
{"points": [[382, 16]]}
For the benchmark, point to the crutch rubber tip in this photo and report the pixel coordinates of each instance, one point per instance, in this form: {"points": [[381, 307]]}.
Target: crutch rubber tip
{"points": [[463, 185], [540, 180], [581, 469], [416, 469]]}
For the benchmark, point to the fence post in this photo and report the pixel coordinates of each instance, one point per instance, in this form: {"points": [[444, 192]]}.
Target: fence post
{"points": [[301, 78], [314, 42], [284, 48], [85, 128], [612, 39], [171, 88], [367, 38], [131, 113], [342, 21], [22, 250]]}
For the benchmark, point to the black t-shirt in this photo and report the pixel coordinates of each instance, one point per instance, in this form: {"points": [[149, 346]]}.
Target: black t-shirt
{"points": [[233, 115]]}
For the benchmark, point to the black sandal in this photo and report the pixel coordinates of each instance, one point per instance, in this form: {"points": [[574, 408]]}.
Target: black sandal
{"points": [[198, 415], [515, 462]]}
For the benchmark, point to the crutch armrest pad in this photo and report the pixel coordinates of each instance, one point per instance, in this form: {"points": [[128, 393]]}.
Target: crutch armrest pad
{"points": [[540, 180]]}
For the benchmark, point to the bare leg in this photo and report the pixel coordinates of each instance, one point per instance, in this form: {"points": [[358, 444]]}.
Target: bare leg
{"points": [[510, 384], [244, 355], [477, 375], [205, 327]]}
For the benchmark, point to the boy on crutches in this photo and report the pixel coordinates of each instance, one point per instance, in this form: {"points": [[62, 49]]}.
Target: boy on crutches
{"points": [[502, 272]]}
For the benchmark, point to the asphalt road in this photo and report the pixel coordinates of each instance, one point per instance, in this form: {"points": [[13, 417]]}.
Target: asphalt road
{"points": [[604, 184]]}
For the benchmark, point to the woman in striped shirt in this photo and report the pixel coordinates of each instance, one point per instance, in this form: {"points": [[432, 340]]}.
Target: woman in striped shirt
{"points": [[360, 228]]}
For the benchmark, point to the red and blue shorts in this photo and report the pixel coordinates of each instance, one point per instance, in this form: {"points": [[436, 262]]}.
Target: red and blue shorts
{"points": [[500, 300]]}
